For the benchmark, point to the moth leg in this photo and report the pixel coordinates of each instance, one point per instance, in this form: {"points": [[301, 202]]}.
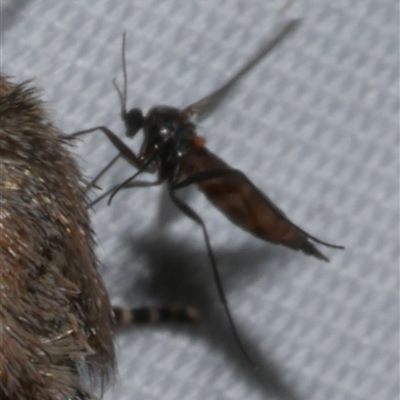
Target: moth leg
{"points": [[125, 316]]}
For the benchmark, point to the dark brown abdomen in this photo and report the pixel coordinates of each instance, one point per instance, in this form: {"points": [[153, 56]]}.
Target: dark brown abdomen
{"points": [[245, 205]]}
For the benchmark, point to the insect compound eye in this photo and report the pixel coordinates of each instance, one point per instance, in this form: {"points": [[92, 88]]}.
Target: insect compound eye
{"points": [[133, 121]]}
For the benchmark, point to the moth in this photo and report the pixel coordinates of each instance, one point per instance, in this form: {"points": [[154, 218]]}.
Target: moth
{"points": [[173, 150], [56, 321], [55, 315]]}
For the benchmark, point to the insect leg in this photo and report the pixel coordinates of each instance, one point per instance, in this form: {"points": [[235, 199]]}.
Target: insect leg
{"points": [[101, 173], [190, 213], [205, 176], [123, 149], [143, 168], [149, 315], [126, 186]]}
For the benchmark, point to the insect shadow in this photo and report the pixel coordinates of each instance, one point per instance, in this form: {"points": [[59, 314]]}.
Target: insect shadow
{"points": [[172, 278], [172, 149]]}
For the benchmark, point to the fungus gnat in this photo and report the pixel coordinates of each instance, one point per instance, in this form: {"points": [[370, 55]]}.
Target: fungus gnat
{"points": [[172, 149]]}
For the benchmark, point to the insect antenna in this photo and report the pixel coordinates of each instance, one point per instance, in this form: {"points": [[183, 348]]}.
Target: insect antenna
{"points": [[122, 94]]}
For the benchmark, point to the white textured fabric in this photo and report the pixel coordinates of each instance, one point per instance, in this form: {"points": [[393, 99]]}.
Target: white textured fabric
{"points": [[315, 126]]}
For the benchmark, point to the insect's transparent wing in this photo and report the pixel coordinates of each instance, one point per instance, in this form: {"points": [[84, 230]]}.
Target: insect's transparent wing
{"points": [[204, 107]]}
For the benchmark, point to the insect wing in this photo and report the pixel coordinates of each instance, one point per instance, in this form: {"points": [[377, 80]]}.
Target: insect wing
{"points": [[207, 105]]}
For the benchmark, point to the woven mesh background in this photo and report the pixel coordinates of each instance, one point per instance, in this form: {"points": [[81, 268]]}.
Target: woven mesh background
{"points": [[315, 126]]}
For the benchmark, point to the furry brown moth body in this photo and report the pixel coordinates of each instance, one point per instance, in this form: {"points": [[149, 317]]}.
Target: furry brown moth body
{"points": [[55, 315], [56, 321]]}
